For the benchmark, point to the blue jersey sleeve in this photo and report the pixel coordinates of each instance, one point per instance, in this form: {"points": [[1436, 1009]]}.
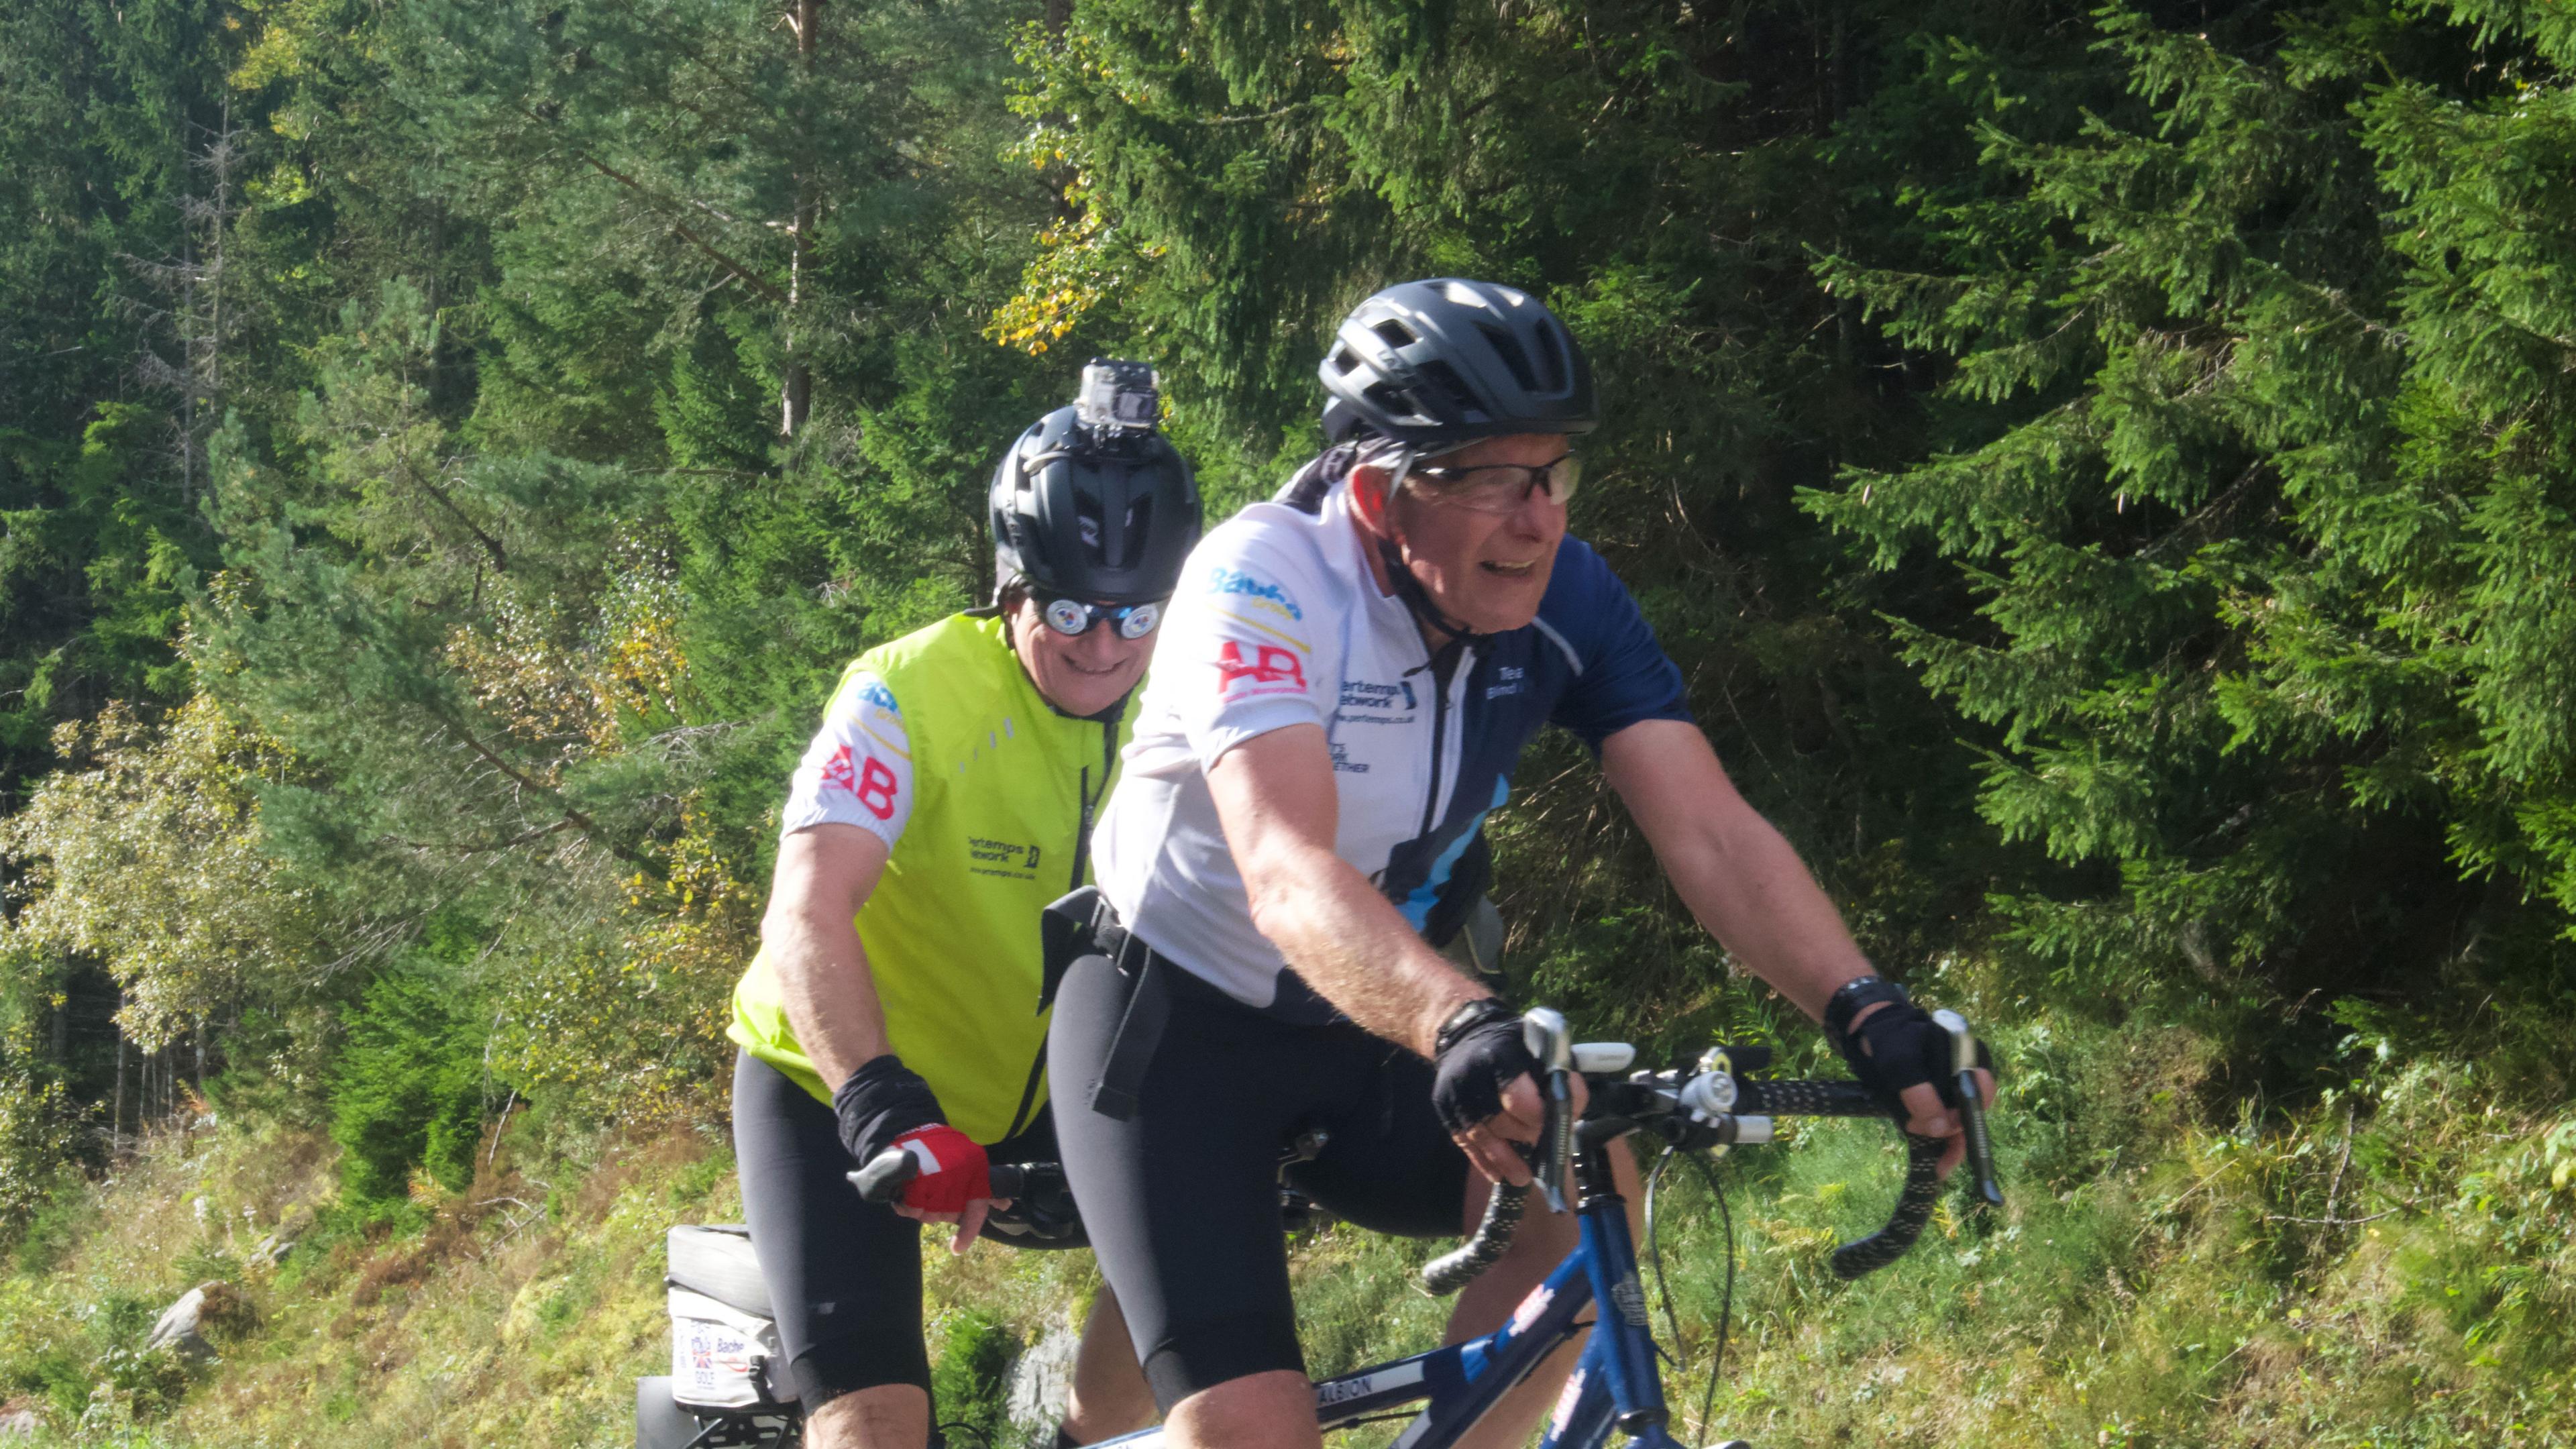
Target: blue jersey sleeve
{"points": [[1621, 674]]}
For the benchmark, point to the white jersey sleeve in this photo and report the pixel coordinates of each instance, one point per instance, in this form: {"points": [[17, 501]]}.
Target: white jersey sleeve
{"points": [[1248, 647], [858, 770]]}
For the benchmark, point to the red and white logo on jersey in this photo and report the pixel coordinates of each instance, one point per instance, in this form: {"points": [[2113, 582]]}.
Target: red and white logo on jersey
{"points": [[1271, 670], [867, 781]]}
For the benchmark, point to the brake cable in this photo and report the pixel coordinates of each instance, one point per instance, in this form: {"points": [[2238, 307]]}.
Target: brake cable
{"points": [[1726, 1305], [1663, 1285], [1655, 1260]]}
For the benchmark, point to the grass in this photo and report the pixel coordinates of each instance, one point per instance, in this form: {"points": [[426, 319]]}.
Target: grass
{"points": [[2391, 1265]]}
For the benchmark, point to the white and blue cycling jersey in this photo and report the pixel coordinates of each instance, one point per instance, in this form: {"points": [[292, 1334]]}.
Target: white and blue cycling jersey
{"points": [[1278, 622]]}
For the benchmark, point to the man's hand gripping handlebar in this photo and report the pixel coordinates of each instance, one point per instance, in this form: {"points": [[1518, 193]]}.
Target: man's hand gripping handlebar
{"points": [[1715, 1106], [884, 1179], [1551, 1159]]}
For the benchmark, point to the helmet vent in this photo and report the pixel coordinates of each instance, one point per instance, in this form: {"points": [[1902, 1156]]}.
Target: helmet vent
{"points": [[1140, 527], [1344, 360], [1551, 359], [1441, 375], [1395, 333], [1086, 515], [1508, 348], [1389, 399]]}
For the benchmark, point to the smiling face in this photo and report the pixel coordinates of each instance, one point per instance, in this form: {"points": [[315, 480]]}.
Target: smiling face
{"points": [[1082, 675], [1488, 571]]}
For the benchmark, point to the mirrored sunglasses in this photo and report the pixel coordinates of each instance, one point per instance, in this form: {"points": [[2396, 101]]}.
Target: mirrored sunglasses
{"points": [[1073, 618]]}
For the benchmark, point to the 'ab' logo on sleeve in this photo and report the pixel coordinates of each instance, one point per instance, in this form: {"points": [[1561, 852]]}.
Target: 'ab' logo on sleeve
{"points": [[1271, 670], [869, 781]]}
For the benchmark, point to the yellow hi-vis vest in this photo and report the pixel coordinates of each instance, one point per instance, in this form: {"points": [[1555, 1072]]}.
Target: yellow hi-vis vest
{"points": [[1004, 790]]}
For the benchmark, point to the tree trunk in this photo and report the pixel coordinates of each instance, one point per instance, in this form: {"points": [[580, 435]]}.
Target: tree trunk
{"points": [[796, 380], [116, 1115], [189, 368]]}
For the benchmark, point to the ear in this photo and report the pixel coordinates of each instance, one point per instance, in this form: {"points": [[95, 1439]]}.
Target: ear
{"points": [[1369, 497]]}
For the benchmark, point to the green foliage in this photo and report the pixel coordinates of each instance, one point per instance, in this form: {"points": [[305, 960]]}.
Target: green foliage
{"points": [[1664, 179], [409, 1090], [45, 1140], [2247, 489], [133, 1385], [101, 108], [146, 855], [2102, 472], [966, 1381]]}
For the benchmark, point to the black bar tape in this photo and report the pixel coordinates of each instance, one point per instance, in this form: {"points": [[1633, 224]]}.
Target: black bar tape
{"points": [[1447, 1274], [1913, 1210], [1765, 1098]]}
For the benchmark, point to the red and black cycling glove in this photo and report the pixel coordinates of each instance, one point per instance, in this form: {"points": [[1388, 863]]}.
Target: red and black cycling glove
{"points": [[886, 1105], [954, 1170]]}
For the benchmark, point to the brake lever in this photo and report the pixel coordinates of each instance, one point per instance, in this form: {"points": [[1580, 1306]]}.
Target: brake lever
{"points": [[1544, 1031], [1972, 1107]]}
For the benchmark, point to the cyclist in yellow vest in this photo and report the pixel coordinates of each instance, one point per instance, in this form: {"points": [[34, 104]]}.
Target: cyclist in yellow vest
{"points": [[895, 1002]]}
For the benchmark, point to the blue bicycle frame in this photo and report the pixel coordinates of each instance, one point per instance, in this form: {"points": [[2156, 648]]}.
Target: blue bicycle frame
{"points": [[1614, 1385]]}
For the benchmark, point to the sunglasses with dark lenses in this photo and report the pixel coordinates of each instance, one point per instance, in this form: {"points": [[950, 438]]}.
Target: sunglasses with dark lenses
{"points": [[1501, 487], [1073, 618]]}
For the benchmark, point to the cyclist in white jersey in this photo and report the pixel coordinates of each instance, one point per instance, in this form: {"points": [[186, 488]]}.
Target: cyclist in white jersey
{"points": [[1347, 676]]}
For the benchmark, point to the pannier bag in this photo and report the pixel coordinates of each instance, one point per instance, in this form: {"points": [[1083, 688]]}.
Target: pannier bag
{"points": [[724, 1341]]}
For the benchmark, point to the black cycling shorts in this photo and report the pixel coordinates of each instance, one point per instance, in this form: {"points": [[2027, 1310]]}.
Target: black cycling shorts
{"points": [[844, 1275], [1181, 1201]]}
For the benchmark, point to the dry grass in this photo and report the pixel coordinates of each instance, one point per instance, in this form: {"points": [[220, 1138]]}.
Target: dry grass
{"points": [[2160, 1280]]}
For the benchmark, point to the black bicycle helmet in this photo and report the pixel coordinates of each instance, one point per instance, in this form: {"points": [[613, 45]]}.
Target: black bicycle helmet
{"points": [[1444, 362], [1091, 501]]}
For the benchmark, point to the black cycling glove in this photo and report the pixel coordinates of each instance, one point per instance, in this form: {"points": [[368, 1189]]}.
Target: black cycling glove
{"points": [[1899, 1046], [881, 1101], [1480, 1051]]}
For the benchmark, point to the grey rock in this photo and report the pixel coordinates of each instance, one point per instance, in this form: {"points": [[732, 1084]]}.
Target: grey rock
{"points": [[180, 1323], [272, 1250], [1039, 1380], [20, 1425]]}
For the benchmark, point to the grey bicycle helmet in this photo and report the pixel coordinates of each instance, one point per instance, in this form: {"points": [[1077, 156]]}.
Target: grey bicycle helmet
{"points": [[1091, 501], [1447, 361]]}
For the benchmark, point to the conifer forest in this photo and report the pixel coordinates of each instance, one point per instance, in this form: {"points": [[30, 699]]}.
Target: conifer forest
{"points": [[2107, 472]]}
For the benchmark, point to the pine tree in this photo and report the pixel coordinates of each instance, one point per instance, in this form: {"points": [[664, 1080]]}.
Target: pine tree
{"points": [[2245, 485]]}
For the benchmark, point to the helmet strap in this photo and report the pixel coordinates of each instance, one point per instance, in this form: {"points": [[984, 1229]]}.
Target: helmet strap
{"points": [[1417, 598], [1375, 507]]}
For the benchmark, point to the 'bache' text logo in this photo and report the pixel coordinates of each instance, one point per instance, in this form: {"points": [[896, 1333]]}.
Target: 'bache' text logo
{"points": [[1224, 580]]}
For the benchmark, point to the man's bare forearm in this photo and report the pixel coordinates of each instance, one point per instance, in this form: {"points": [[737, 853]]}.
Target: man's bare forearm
{"points": [[1353, 947], [1275, 796], [1764, 906], [831, 998], [809, 939], [1739, 876]]}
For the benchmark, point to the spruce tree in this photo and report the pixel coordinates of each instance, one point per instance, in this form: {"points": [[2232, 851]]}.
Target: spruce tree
{"points": [[2247, 405]]}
